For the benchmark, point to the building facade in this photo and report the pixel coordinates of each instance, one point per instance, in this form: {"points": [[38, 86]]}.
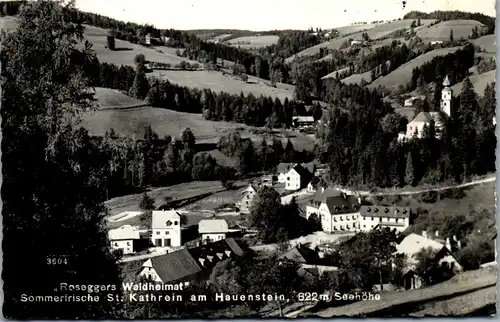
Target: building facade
{"points": [[166, 228], [212, 230], [340, 214], [247, 197], [123, 238], [395, 218]]}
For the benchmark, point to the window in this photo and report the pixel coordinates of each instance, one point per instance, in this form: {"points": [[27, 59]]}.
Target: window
{"points": [[176, 223], [247, 202], [397, 219], [287, 178], [167, 242], [167, 232], [158, 242], [116, 244], [168, 223], [220, 237], [364, 218], [364, 226], [248, 197], [341, 218], [373, 219], [157, 232], [128, 243]]}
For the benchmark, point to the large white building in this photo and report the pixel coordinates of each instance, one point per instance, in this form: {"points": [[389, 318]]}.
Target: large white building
{"points": [[213, 229], [340, 214], [395, 218], [166, 228], [123, 238], [415, 128]]}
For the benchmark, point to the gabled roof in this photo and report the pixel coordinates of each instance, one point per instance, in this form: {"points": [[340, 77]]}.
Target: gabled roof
{"points": [[188, 262], [124, 233], [388, 212], [303, 172], [284, 167], [301, 254], [446, 81], [305, 119], [160, 217], [207, 226], [342, 204], [413, 244], [423, 117], [329, 192]]}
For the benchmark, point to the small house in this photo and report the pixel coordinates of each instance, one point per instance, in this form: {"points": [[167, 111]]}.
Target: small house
{"points": [[166, 228], [247, 197], [212, 229], [297, 178], [302, 121], [124, 238]]}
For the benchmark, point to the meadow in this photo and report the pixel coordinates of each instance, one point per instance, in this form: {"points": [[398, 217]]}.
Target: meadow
{"points": [[403, 74], [250, 42], [479, 81], [441, 31], [114, 99], [486, 42]]}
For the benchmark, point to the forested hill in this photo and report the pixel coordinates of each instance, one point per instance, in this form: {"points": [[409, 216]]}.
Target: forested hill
{"points": [[454, 15]]}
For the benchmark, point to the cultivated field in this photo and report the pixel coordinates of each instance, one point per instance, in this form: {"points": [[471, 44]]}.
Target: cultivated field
{"points": [[478, 81], [402, 75], [374, 33], [345, 30], [486, 42], [112, 98], [218, 82], [441, 31], [251, 42]]}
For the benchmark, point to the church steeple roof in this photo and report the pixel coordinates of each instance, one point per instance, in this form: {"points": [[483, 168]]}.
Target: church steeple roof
{"points": [[446, 82]]}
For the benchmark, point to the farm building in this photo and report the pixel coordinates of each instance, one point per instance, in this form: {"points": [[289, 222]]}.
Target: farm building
{"points": [[212, 229], [302, 121], [166, 228], [123, 238], [188, 264]]}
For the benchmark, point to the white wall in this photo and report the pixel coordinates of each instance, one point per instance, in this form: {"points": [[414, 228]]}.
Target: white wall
{"points": [[126, 245], [410, 129], [292, 180], [368, 223], [214, 236], [246, 201], [312, 210], [172, 232]]}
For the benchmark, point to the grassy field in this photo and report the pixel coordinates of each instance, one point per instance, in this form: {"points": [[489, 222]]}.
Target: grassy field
{"points": [[345, 30], [457, 286], [479, 81], [486, 42], [402, 75], [334, 73], [112, 98], [356, 78], [441, 31], [250, 42], [219, 37], [374, 33], [218, 82]]}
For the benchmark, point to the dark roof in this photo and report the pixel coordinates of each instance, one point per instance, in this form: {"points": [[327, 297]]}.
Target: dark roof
{"points": [[284, 167], [309, 167], [314, 181], [301, 254], [303, 172], [176, 265], [342, 204], [186, 264], [381, 211]]}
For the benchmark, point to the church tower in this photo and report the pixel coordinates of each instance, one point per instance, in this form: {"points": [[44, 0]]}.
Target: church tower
{"points": [[446, 97]]}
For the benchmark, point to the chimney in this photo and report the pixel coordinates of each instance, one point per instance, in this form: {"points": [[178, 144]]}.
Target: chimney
{"points": [[437, 233], [448, 244], [424, 233]]}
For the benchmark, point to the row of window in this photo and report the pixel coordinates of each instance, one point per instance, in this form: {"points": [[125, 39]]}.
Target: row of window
{"points": [[166, 232], [116, 244], [382, 219]]}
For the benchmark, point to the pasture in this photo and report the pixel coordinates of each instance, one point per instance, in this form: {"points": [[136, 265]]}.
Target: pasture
{"points": [[441, 31], [346, 30], [112, 98], [251, 42], [334, 73], [486, 42], [403, 74], [374, 33], [219, 37], [218, 82], [479, 81]]}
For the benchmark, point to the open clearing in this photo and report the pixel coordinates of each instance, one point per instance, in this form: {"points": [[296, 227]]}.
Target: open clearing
{"points": [[251, 42], [478, 81], [357, 78], [403, 74], [465, 282], [218, 82], [441, 31], [486, 42], [374, 33], [116, 114], [334, 73], [345, 30]]}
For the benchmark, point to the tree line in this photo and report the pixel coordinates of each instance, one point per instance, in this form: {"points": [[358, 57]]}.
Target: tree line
{"points": [[455, 15]]}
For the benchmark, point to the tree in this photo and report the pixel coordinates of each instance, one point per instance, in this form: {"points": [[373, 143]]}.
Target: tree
{"points": [[429, 268], [53, 189], [139, 59], [147, 203], [110, 41], [266, 214], [289, 153], [410, 170], [451, 36], [140, 87]]}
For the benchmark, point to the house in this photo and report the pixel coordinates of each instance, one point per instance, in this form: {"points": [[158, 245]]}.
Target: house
{"points": [[340, 213], [123, 238], [164, 39], [415, 128], [312, 263], [395, 218], [436, 42], [315, 201], [412, 245], [213, 229], [247, 197], [282, 170], [189, 264], [166, 228], [302, 121], [315, 184], [410, 101], [297, 178], [147, 39]]}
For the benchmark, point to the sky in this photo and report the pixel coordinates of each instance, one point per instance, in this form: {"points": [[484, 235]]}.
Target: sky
{"points": [[261, 15]]}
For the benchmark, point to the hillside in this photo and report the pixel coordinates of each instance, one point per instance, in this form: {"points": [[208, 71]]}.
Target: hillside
{"points": [[374, 33], [334, 73], [251, 42], [357, 78], [478, 81], [114, 99], [345, 30], [405, 302], [402, 75], [486, 42], [441, 31]]}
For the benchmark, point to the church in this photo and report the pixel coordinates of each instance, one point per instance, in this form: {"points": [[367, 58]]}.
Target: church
{"points": [[415, 128]]}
